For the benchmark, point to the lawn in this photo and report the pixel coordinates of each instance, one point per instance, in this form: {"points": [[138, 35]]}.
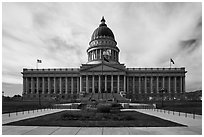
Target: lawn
{"points": [[95, 119], [180, 106], [15, 106]]}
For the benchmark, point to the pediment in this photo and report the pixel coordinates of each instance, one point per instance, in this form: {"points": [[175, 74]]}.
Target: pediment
{"points": [[103, 67]]}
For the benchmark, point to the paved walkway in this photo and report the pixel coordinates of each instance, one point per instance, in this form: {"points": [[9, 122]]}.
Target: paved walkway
{"points": [[194, 123], [194, 126]]}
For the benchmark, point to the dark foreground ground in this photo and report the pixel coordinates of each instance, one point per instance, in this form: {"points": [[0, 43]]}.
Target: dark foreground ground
{"points": [[96, 119]]}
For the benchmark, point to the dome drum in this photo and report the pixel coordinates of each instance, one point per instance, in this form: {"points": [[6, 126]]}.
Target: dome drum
{"points": [[96, 55], [103, 41], [103, 48]]}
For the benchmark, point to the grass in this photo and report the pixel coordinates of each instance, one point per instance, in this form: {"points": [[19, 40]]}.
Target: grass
{"points": [[16, 106], [180, 106], [95, 119]]}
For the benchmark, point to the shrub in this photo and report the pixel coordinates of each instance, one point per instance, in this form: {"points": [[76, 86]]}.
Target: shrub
{"points": [[116, 105], [104, 108]]}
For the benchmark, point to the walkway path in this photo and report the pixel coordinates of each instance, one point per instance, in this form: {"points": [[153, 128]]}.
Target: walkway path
{"points": [[193, 123], [194, 126]]}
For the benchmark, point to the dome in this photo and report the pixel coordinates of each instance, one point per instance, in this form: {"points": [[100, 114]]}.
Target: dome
{"points": [[102, 30]]}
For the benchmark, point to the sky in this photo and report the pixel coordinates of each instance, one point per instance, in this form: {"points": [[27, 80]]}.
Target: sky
{"points": [[147, 34]]}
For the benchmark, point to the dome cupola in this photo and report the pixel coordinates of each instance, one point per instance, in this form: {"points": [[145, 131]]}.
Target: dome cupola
{"points": [[102, 31], [102, 40]]}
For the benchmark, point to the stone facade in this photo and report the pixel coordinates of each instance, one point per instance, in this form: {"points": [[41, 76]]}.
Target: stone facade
{"points": [[100, 76]]}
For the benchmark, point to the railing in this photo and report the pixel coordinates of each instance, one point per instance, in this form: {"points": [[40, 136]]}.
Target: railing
{"points": [[178, 113], [139, 69], [59, 69], [9, 114]]}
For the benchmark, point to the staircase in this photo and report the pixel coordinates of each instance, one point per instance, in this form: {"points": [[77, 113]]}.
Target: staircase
{"points": [[120, 99], [87, 97]]}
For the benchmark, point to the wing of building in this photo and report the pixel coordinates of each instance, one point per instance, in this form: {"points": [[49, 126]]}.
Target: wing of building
{"points": [[103, 73]]}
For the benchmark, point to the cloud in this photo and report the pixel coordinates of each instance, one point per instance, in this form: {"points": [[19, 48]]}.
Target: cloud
{"points": [[148, 35]]}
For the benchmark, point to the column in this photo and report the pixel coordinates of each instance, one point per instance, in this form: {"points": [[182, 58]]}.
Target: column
{"points": [[37, 85], [139, 85], [128, 84], [27, 86], [124, 83], [133, 85], [32, 85], [184, 84], [145, 82], [24, 85], [99, 83], [87, 84], [157, 85], [48, 85], [163, 82], [169, 84], [43, 85], [181, 84], [55, 85], [77, 85], [100, 53], [105, 83], [80, 81], [175, 85], [118, 84], [151, 84], [72, 85], [93, 81], [111, 83], [60, 85], [66, 86]]}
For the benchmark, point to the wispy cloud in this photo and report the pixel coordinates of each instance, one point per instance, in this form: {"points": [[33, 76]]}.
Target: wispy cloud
{"points": [[148, 34]]}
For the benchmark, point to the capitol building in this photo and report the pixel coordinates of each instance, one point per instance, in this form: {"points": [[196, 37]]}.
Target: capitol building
{"points": [[103, 73]]}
